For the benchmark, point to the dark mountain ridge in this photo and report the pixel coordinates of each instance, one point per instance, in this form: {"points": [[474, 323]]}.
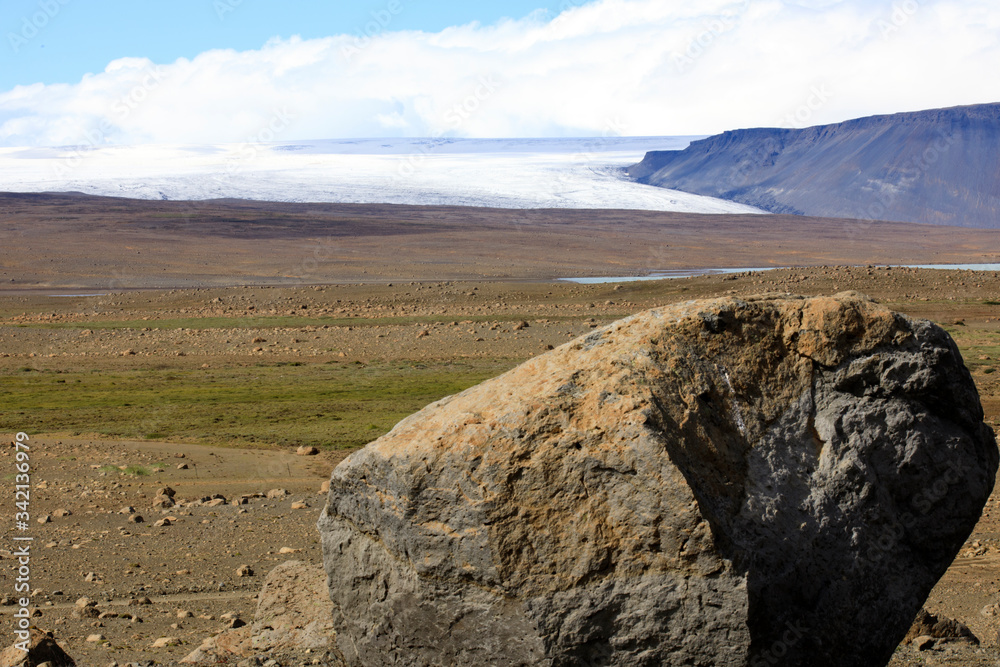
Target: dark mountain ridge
{"points": [[940, 166]]}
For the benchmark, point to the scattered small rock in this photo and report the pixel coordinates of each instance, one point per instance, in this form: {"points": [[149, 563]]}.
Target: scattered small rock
{"points": [[163, 501], [939, 627], [42, 649], [164, 642], [86, 612]]}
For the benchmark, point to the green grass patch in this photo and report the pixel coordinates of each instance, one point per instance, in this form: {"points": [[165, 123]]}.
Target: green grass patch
{"points": [[325, 405]]}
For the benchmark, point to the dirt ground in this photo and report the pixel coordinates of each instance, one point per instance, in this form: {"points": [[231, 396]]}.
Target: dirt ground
{"points": [[182, 580]]}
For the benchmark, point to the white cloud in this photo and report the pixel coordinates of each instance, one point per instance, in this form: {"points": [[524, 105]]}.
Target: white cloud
{"points": [[642, 67]]}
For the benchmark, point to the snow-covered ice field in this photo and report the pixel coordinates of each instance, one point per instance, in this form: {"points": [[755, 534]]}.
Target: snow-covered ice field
{"points": [[502, 173]]}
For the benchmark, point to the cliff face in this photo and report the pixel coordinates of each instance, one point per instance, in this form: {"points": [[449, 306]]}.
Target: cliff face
{"points": [[938, 167]]}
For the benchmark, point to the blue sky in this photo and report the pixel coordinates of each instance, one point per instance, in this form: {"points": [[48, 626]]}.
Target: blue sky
{"points": [[109, 72], [85, 35]]}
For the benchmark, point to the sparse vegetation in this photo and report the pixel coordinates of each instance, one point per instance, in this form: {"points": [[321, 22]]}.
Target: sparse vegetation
{"points": [[325, 405]]}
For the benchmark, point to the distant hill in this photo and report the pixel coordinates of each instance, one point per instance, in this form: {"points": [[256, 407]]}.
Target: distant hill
{"points": [[939, 167]]}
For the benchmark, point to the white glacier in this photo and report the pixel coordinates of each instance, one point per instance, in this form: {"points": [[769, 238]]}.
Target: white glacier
{"points": [[502, 173]]}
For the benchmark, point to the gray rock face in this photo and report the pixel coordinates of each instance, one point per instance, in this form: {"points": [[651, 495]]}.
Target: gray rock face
{"points": [[937, 167], [726, 483]]}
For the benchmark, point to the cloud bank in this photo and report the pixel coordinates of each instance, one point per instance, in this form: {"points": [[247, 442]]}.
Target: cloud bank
{"points": [[623, 67]]}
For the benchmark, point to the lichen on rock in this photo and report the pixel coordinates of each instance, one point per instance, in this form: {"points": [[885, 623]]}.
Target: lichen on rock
{"points": [[726, 483]]}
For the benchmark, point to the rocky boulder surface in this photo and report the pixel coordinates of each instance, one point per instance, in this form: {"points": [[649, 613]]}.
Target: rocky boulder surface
{"points": [[292, 617], [726, 483], [42, 649]]}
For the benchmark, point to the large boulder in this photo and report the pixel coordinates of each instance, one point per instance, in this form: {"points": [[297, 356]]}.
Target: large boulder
{"points": [[40, 648], [292, 617], [727, 483]]}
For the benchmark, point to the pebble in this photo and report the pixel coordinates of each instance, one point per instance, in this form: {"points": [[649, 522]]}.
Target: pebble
{"points": [[164, 642], [163, 500], [244, 571]]}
